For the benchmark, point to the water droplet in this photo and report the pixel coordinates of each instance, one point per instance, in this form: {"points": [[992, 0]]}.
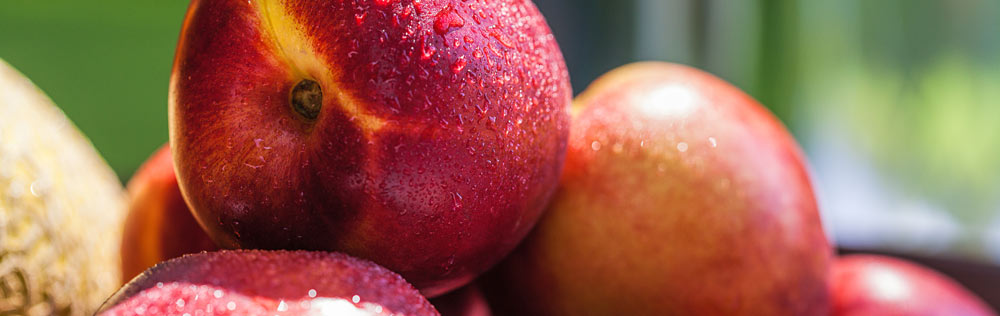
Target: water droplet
{"points": [[458, 65], [682, 146], [596, 145], [427, 51], [446, 20], [159, 284], [282, 306], [712, 141], [360, 18], [231, 305], [502, 38], [356, 299], [418, 6], [180, 302], [217, 293], [312, 293], [457, 200]]}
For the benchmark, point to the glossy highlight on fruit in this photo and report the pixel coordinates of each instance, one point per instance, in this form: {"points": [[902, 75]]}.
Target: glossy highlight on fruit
{"points": [[873, 285], [430, 142], [159, 225], [255, 282], [681, 195]]}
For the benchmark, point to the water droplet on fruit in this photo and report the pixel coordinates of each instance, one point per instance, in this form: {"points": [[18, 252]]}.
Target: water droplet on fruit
{"points": [[595, 145], [231, 305], [180, 302], [312, 292], [458, 65], [427, 51], [502, 38], [217, 293], [356, 299], [282, 306], [418, 6], [457, 200], [446, 20], [682, 146], [711, 140]]}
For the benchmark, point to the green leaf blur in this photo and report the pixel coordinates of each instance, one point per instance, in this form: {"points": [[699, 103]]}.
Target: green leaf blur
{"points": [[105, 63]]}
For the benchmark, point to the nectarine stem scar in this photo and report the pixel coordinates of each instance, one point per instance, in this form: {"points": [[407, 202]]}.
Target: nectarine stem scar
{"points": [[307, 98], [294, 46]]}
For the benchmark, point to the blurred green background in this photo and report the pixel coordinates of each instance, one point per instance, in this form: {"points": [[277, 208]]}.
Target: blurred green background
{"points": [[897, 102], [105, 63]]}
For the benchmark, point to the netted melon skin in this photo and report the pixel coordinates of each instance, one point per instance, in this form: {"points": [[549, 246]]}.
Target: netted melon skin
{"points": [[61, 209]]}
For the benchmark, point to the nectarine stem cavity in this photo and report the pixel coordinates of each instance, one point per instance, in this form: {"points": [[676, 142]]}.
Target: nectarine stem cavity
{"points": [[307, 98]]}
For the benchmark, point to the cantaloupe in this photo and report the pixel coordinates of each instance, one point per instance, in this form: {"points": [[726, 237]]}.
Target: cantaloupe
{"points": [[61, 209]]}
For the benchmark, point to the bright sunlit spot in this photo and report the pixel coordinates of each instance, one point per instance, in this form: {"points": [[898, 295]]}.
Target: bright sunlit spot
{"points": [[888, 285], [683, 101]]}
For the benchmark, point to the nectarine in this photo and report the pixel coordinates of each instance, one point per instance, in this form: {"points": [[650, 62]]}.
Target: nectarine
{"points": [[159, 225], [254, 282], [425, 135], [681, 195], [871, 285]]}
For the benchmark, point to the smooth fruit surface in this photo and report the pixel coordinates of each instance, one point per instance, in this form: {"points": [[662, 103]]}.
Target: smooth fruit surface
{"points": [[425, 135], [873, 285], [255, 282], [61, 209], [159, 225], [681, 195]]}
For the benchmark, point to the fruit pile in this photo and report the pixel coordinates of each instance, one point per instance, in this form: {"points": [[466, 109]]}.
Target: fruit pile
{"points": [[357, 157]]}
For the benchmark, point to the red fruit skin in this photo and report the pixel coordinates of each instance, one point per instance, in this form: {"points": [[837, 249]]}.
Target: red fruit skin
{"points": [[466, 301], [873, 285], [681, 195], [255, 282], [159, 225], [440, 140]]}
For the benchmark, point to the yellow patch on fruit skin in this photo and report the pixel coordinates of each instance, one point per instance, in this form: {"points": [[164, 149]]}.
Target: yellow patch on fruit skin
{"points": [[295, 47]]}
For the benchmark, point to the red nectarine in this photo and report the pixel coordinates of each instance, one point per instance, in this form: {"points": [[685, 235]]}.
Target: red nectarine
{"points": [[870, 285], [254, 282], [425, 135]]}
